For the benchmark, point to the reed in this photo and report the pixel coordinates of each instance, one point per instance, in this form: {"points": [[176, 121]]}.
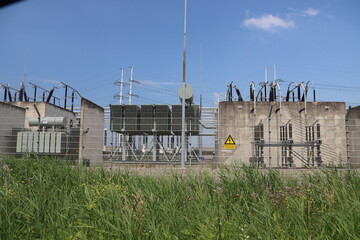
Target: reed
{"points": [[44, 198]]}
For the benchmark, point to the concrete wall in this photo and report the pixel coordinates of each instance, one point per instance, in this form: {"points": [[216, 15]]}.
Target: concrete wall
{"points": [[91, 132], [239, 118], [10, 117], [354, 136]]}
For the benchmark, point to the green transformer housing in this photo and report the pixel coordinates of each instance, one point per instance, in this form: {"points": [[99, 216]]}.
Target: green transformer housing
{"points": [[155, 119], [125, 119], [192, 119]]}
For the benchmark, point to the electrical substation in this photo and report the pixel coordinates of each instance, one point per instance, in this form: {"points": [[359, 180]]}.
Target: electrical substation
{"points": [[272, 127], [272, 130], [45, 127], [151, 133]]}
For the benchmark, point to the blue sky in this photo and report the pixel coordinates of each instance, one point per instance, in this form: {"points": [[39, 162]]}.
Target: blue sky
{"points": [[84, 43]]}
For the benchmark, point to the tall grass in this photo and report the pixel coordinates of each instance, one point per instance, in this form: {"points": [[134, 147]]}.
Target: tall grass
{"points": [[51, 199]]}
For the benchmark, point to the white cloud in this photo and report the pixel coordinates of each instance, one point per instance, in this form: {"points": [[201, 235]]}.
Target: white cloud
{"points": [[310, 12], [269, 23]]}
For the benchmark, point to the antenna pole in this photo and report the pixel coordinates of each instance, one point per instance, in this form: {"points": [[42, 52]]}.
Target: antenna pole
{"points": [[131, 84], [201, 78], [121, 86], [183, 143], [121, 136]]}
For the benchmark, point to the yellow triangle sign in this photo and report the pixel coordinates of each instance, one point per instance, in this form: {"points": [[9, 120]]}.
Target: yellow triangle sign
{"points": [[229, 140]]}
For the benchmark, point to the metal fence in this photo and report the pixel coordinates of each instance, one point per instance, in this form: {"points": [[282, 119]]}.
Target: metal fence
{"points": [[265, 142], [288, 142]]}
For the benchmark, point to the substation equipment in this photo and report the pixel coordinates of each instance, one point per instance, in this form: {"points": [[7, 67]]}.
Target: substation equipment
{"points": [[286, 141], [270, 130], [276, 131], [152, 132], [49, 136], [56, 134]]}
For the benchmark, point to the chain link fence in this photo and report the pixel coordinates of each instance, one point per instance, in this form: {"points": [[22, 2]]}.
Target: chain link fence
{"points": [[264, 136]]}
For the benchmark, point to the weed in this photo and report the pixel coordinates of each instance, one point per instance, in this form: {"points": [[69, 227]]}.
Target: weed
{"points": [[44, 198]]}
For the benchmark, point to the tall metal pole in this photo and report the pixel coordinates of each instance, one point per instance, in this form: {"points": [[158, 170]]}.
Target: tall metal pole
{"points": [[121, 86], [200, 145], [121, 136], [183, 143], [131, 84]]}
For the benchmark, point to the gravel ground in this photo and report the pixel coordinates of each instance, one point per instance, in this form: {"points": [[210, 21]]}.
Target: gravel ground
{"points": [[167, 169]]}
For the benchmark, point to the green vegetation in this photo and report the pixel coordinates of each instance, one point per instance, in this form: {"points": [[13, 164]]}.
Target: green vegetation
{"points": [[50, 199]]}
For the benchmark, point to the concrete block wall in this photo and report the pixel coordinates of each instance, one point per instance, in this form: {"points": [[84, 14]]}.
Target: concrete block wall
{"points": [[91, 132], [10, 117], [239, 118], [354, 136]]}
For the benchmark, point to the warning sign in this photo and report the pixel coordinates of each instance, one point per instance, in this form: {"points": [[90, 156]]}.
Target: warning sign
{"points": [[229, 143]]}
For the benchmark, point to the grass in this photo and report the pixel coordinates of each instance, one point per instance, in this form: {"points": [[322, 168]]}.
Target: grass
{"points": [[51, 199]]}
